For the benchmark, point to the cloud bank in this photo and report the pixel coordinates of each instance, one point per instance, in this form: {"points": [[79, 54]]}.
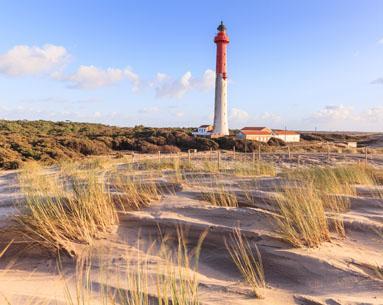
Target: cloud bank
{"points": [[24, 60], [166, 87], [91, 77], [345, 117], [50, 60]]}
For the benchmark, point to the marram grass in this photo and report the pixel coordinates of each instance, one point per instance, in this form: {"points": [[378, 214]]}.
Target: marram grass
{"points": [[57, 214], [249, 265], [302, 220]]}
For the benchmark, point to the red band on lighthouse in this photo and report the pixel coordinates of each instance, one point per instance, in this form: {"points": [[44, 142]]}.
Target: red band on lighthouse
{"points": [[221, 39]]}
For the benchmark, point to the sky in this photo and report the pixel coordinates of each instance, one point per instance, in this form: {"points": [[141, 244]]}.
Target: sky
{"points": [[297, 64]]}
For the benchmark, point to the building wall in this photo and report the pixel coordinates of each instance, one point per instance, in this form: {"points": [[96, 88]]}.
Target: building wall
{"points": [[265, 138], [288, 138], [260, 138]]}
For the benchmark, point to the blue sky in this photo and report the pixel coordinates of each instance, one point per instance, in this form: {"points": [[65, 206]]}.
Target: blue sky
{"points": [[300, 64]]}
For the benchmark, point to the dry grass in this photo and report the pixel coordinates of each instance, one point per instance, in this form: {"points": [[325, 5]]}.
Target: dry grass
{"points": [[302, 220], [329, 185], [164, 163], [2, 251], [59, 213], [218, 195], [259, 168], [340, 179], [249, 266], [210, 166], [379, 272], [174, 281], [177, 281], [133, 194]]}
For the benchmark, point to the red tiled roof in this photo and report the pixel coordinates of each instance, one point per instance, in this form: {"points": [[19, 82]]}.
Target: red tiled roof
{"points": [[284, 132], [254, 128], [256, 132]]}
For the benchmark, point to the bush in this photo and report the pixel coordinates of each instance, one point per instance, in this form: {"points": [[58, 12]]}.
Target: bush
{"points": [[276, 142], [85, 146], [14, 164], [170, 149]]}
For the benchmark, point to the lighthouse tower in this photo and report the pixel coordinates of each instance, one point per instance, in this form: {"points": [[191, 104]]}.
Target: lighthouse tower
{"points": [[220, 109]]}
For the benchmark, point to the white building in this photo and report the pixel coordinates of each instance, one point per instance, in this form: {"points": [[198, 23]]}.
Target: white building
{"points": [[203, 131], [264, 134], [288, 136], [260, 134]]}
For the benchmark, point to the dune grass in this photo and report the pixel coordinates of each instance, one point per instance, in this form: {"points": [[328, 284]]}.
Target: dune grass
{"points": [[316, 189], [2, 251], [340, 179], [132, 193], [302, 220], [177, 280], [257, 169], [218, 195], [174, 281], [379, 272], [249, 265], [59, 213], [164, 163]]}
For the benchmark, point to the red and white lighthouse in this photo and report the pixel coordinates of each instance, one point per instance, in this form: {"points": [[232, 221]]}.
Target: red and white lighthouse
{"points": [[221, 127]]}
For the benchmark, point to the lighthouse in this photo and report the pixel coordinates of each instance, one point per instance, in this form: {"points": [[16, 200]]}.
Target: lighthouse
{"points": [[221, 127]]}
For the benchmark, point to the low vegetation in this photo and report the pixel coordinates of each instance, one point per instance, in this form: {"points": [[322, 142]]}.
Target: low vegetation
{"points": [[302, 220], [51, 142], [133, 194], [258, 168], [175, 278], [249, 265], [218, 195], [315, 198], [58, 213], [69, 207], [4, 249], [339, 179], [379, 272]]}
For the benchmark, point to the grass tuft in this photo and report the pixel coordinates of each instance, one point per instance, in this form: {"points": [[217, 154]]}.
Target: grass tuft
{"points": [[249, 266], [302, 220], [257, 169], [133, 194], [218, 195], [58, 214]]}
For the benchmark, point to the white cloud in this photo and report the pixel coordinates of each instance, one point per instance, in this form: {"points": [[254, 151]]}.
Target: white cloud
{"points": [[378, 81], [91, 77], [334, 113], [133, 78], [167, 87], [147, 110], [346, 118], [173, 89], [207, 82], [270, 117], [238, 114], [33, 113], [374, 114], [380, 41], [239, 118], [25, 60]]}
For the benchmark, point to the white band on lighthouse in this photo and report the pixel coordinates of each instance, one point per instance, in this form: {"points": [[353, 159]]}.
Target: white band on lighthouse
{"points": [[220, 109]]}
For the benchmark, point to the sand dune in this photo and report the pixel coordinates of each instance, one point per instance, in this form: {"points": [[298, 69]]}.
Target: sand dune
{"points": [[337, 272]]}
